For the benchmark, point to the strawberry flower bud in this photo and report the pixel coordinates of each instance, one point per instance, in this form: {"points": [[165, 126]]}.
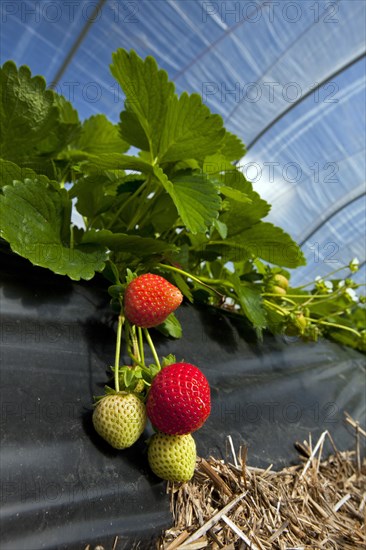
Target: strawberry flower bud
{"points": [[354, 264]]}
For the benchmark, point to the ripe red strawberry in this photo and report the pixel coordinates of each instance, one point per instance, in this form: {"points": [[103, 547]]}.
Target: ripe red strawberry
{"points": [[179, 399], [149, 299]]}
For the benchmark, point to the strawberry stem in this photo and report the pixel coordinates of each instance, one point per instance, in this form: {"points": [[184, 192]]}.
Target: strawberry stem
{"points": [[141, 345], [118, 351], [135, 344], [190, 276], [328, 275], [152, 347], [335, 325]]}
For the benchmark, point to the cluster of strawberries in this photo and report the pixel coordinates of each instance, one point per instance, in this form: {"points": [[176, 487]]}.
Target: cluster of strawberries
{"points": [[178, 400]]}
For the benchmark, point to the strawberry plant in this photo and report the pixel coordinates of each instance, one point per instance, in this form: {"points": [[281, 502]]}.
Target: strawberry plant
{"points": [[161, 191], [166, 213]]}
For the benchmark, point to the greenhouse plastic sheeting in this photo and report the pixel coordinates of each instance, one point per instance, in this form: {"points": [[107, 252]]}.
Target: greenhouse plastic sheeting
{"points": [[287, 76], [62, 486]]}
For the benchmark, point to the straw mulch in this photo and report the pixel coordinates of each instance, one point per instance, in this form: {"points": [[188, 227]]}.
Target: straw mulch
{"points": [[317, 504]]}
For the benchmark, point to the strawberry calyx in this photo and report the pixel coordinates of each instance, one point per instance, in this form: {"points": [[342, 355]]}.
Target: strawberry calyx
{"points": [[108, 391], [137, 378]]}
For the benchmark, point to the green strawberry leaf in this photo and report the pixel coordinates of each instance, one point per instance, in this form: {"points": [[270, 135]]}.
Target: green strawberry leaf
{"points": [[190, 130], [68, 127], [35, 220], [275, 321], [111, 272], [221, 228], [9, 172], [251, 303], [171, 327], [34, 122], [232, 147], [147, 91], [112, 161], [99, 136], [195, 197], [183, 286], [235, 194], [262, 240], [163, 214], [131, 244], [240, 214], [90, 192], [130, 183], [272, 244], [228, 179], [116, 290], [216, 164], [131, 130]]}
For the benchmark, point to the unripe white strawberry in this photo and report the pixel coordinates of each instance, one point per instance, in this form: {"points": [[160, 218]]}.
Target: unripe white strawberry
{"points": [[120, 419], [280, 280], [172, 457], [297, 325]]}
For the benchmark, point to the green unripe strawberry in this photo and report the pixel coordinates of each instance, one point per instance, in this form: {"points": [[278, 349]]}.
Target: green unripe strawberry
{"points": [[280, 280], [297, 325], [120, 419], [172, 457], [278, 290]]}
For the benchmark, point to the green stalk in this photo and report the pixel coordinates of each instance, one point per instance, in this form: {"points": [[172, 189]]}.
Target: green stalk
{"points": [[124, 204], [152, 347], [326, 297], [284, 298], [71, 237], [129, 341], [335, 325], [135, 345], [199, 281], [276, 307], [140, 213], [141, 345], [321, 298], [118, 351], [340, 312], [325, 277], [313, 296]]}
